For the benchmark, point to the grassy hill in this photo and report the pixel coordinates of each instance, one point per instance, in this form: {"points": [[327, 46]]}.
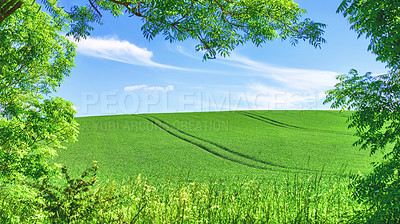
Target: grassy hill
{"points": [[217, 145]]}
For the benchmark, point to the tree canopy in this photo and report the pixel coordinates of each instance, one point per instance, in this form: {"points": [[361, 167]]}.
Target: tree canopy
{"points": [[218, 25], [379, 21], [375, 102], [34, 59]]}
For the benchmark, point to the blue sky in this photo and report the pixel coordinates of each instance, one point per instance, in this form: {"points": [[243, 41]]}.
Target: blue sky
{"points": [[118, 71]]}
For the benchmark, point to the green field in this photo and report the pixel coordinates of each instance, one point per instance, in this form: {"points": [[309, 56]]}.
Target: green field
{"points": [[216, 145]]}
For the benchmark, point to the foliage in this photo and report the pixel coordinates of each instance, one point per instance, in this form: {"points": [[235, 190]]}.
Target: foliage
{"points": [[377, 122], [76, 200], [375, 100], [34, 59], [20, 204], [218, 25], [54, 200], [379, 21]]}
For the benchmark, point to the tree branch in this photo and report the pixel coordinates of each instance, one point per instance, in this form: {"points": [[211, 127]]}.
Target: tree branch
{"points": [[9, 8], [128, 6], [94, 7]]}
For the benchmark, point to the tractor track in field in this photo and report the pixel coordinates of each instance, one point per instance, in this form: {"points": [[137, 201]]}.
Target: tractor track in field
{"points": [[184, 136], [268, 120], [283, 125], [204, 147]]}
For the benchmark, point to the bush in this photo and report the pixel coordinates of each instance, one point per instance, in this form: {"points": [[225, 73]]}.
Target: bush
{"points": [[48, 200]]}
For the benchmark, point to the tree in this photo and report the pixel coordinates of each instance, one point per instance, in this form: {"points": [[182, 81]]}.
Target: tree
{"points": [[34, 59], [218, 25], [376, 105]]}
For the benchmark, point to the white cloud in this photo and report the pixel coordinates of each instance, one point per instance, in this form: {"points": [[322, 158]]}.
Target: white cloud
{"points": [[181, 50], [280, 88], [293, 78], [158, 88], [133, 88], [286, 88], [121, 51], [286, 78], [149, 88]]}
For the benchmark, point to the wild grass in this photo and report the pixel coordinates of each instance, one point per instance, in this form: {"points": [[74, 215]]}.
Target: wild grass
{"points": [[316, 198], [295, 199]]}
